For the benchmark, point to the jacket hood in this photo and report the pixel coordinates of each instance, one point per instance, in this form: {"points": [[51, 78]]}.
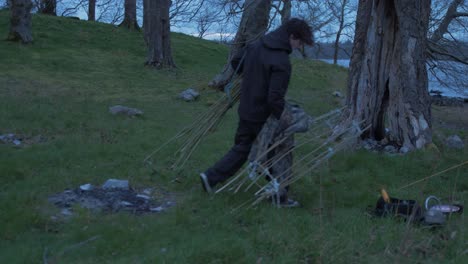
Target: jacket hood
{"points": [[278, 39]]}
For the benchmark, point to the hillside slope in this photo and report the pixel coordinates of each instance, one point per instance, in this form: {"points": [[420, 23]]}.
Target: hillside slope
{"points": [[59, 90]]}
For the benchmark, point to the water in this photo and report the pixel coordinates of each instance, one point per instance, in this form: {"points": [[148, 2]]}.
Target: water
{"points": [[453, 86]]}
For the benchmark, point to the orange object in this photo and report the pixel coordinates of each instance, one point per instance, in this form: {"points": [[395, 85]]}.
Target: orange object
{"points": [[385, 195]]}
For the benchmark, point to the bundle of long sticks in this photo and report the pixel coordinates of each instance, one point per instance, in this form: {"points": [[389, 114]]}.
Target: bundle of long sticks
{"points": [[317, 146], [190, 137]]}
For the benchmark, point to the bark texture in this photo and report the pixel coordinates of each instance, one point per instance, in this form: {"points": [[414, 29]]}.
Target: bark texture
{"points": [[20, 21], [48, 7], [387, 85], [130, 17], [92, 10], [157, 33], [253, 25]]}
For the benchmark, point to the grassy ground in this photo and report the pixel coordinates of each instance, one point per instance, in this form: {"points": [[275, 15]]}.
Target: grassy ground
{"points": [[61, 87]]}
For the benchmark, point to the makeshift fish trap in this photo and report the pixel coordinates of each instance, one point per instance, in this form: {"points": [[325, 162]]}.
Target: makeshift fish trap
{"points": [[271, 168]]}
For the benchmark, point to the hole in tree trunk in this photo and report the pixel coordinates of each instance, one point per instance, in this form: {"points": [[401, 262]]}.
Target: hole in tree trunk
{"points": [[380, 124]]}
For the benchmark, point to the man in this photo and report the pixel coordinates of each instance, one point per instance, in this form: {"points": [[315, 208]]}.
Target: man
{"points": [[266, 72]]}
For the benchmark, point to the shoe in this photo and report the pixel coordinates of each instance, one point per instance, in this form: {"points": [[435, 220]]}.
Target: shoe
{"points": [[289, 203], [205, 183]]}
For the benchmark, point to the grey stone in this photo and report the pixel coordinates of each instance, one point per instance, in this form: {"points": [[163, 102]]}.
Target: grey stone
{"points": [[157, 209], [189, 95], [125, 203], [142, 196], [124, 110], [66, 212], [86, 187], [455, 142], [115, 184], [337, 94], [404, 150], [16, 142], [390, 149]]}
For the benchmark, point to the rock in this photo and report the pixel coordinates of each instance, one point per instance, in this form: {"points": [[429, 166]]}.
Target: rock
{"points": [[189, 95], [125, 203], [455, 142], [404, 150], [66, 212], [124, 110], [390, 149], [115, 184], [157, 209], [142, 196], [86, 187], [337, 94]]}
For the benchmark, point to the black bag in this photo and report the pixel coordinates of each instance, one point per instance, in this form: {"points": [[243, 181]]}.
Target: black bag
{"points": [[406, 209]]}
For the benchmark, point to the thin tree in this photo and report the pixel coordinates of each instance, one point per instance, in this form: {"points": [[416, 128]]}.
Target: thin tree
{"points": [[20, 21], [130, 15], [387, 85], [156, 26], [448, 51], [253, 24], [92, 10], [48, 7], [341, 10]]}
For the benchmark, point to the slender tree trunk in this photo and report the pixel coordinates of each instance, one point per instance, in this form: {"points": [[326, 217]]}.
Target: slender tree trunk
{"points": [[92, 10], [341, 18], [387, 85], [157, 33], [48, 7], [130, 18], [285, 12], [254, 23], [20, 21]]}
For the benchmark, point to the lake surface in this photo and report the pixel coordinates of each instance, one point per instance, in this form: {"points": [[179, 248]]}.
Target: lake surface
{"points": [[452, 86]]}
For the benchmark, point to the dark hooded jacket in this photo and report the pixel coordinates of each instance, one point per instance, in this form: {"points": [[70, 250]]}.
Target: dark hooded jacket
{"points": [[266, 72]]}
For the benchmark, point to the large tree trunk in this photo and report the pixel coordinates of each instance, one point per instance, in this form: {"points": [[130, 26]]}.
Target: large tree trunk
{"points": [[20, 21], [157, 33], [48, 7], [254, 23], [387, 85], [130, 18], [92, 10]]}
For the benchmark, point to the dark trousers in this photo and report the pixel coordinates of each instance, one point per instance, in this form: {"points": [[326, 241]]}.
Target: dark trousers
{"points": [[228, 165]]}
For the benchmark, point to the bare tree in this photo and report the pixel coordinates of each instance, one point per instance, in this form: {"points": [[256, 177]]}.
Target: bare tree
{"points": [[156, 27], [341, 10], [48, 7], [130, 17], [92, 10], [448, 49], [20, 21], [254, 23], [387, 85]]}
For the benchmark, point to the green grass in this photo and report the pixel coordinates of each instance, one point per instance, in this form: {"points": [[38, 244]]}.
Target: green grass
{"points": [[61, 86]]}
